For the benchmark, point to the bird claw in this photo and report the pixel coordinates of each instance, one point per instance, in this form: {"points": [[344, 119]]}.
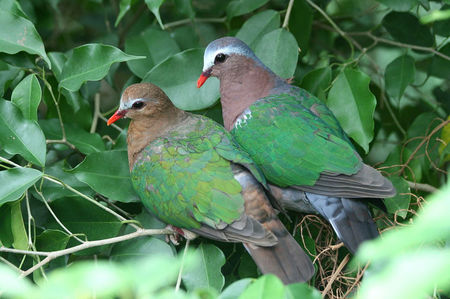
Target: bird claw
{"points": [[175, 238]]}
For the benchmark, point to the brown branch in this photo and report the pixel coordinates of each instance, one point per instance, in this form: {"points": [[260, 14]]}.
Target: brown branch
{"points": [[335, 275], [422, 187], [51, 255]]}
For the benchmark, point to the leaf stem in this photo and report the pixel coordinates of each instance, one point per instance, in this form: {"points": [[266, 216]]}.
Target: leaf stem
{"points": [[180, 273], [288, 14]]}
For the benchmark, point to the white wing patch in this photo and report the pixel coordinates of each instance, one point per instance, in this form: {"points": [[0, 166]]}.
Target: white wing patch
{"points": [[243, 118]]}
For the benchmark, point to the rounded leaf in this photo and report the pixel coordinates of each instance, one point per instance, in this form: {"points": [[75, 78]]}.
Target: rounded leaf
{"points": [[279, 51], [317, 81], [353, 105], [406, 28], [399, 74], [156, 45], [16, 181], [300, 24], [19, 34], [90, 62], [399, 5], [241, 7], [108, 174], [27, 96], [19, 135], [258, 25], [178, 75], [266, 287], [207, 273]]}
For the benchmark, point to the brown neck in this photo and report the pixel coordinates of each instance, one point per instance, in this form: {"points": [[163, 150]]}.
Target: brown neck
{"points": [[240, 86], [144, 130]]}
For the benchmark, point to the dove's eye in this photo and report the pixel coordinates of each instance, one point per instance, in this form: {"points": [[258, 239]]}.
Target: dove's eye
{"points": [[137, 105], [220, 58]]}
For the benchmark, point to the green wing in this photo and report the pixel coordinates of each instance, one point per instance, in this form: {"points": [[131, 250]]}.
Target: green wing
{"points": [[185, 177], [294, 138]]}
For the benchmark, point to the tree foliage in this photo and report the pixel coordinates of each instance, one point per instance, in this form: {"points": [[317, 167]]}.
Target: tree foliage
{"points": [[70, 221]]}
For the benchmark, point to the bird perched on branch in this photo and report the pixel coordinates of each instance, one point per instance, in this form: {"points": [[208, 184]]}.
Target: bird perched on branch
{"points": [[296, 141], [189, 172]]}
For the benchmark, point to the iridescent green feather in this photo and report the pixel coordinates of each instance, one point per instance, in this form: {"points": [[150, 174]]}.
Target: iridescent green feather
{"points": [[185, 177], [294, 137]]}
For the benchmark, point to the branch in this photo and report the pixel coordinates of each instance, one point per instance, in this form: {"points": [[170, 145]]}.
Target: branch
{"points": [[335, 274], [288, 14], [399, 44], [97, 113], [195, 20], [422, 187], [51, 255], [120, 217]]}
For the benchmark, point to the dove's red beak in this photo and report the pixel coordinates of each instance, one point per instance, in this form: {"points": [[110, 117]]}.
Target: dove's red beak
{"points": [[203, 77], [116, 116]]}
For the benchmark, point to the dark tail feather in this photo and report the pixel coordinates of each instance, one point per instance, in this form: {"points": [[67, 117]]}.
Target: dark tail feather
{"points": [[351, 219], [287, 260]]}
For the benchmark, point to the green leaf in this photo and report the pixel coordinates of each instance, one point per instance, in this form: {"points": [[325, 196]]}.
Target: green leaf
{"points": [[157, 45], [317, 82], [108, 174], [52, 240], [400, 202], [90, 62], [19, 135], [8, 74], [13, 7], [399, 74], [279, 51], [399, 5], [235, 289], [17, 227], [124, 7], [178, 75], [142, 247], [11, 286], [85, 218], [258, 25], [85, 142], [266, 287], [27, 96], [300, 24], [240, 7], [19, 34], [301, 290], [207, 272], [409, 261], [406, 28], [353, 105], [54, 191], [440, 66], [154, 6], [16, 181]]}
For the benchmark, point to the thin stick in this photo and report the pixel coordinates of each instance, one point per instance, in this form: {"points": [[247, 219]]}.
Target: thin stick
{"points": [[422, 187], [335, 275], [177, 287], [51, 255], [288, 14]]}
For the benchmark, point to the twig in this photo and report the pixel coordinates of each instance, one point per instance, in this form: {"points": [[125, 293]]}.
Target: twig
{"points": [[335, 274], [97, 113], [9, 162], [350, 41], [56, 217], [394, 118], [437, 128], [112, 125], [63, 130], [288, 14], [399, 44], [51, 255], [177, 287], [195, 20], [422, 187], [120, 217]]}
